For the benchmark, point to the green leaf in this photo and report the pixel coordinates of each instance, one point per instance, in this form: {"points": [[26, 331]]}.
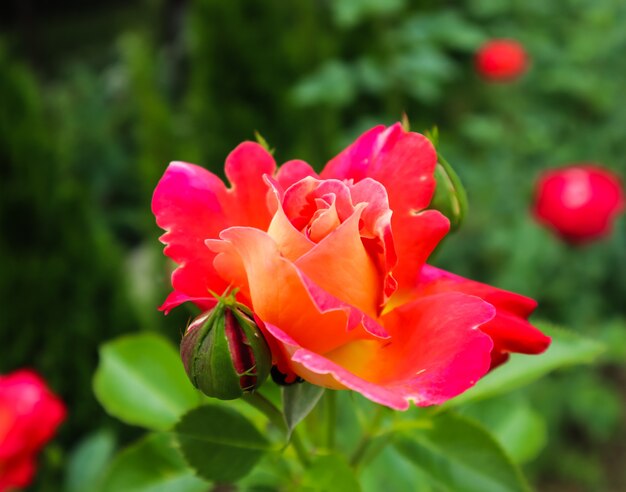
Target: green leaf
{"points": [[141, 380], [298, 400], [523, 434], [329, 473], [391, 471], [219, 443], [152, 465], [87, 463], [461, 456], [271, 474], [514, 424], [567, 349]]}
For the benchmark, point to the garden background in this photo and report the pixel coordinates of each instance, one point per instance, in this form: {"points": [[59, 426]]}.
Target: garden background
{"points": [[97, 98]]}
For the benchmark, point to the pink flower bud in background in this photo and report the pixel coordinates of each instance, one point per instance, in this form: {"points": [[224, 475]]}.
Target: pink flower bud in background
{"points": [[29, 416], [501, 60], [579, 202]]}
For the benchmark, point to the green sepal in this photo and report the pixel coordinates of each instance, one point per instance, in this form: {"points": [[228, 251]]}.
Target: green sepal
{"points": [[450, 197]]}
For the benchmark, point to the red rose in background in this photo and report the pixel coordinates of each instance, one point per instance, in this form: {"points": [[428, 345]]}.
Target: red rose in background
{"points": [[334, 267], [29, 417], [579, 202], [501, 60]]}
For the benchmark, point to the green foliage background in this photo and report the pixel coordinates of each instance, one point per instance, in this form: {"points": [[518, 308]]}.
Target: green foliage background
{"points": [[96, 100]]}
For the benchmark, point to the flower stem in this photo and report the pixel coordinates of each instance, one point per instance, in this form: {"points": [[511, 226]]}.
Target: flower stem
{"points": [[367, 438], [265, 406], [331, 418], [275, 416], [299, 448]]}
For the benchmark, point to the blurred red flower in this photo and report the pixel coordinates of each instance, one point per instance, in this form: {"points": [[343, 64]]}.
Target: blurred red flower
{"points": [[579, 202], [501, 60], [29, 416]]}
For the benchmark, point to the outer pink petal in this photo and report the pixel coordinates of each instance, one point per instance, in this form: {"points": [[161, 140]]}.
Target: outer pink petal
{"points": [[175, 299], [354, 162], [188, 203], [245, 168], [404, 163], [510, 330], [193, 205], [437, 352], [415, 237]]}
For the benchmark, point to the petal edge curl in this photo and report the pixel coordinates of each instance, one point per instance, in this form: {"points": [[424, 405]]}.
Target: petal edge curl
{"points": [[280, 294], [510, 330], [440, 359]]}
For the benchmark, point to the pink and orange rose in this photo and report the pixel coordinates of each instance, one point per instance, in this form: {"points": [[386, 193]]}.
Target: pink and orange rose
{"points": [[29, 416], [334, 265]]}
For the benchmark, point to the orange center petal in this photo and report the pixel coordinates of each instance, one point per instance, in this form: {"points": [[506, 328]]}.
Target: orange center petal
{"points": [[341, 266], [277, 291]]}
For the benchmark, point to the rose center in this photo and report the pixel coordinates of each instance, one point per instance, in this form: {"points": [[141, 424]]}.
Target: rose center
{"points": [[317, 209]]}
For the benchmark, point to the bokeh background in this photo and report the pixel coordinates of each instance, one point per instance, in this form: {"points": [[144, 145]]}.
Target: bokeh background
{"points": [[97, 97]]}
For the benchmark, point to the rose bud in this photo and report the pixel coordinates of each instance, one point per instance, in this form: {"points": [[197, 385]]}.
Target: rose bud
{"points": [[501, 60], [450, 197], [224, 352], [579, 202]]}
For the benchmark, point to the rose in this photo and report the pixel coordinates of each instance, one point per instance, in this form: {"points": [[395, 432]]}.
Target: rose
{"points": [[501, 60], [579, 202], [29, 417], [334, 266]]}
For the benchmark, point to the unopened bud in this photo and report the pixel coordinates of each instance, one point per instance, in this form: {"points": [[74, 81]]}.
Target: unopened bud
{"points": [[225, 353]]}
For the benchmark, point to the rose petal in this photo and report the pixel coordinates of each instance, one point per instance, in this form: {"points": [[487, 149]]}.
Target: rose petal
{"points": [[415, 237], [188, 204], [340, 265], [175, 299], [436, 352], [193, 205], [291, 243], [293, 171], [355, 162], [324, 221], [355, 268], [404, 163], [509, 329], [375, 229], [279, 294], [244, 168], [299, 200]]}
